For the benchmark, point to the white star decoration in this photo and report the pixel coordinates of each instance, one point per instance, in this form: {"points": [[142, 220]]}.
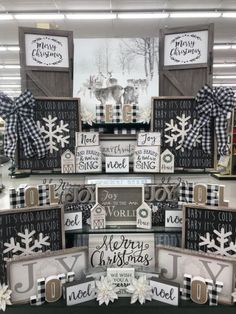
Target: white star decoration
{"points": [[5, 295], [140, 289], [106, 291]]}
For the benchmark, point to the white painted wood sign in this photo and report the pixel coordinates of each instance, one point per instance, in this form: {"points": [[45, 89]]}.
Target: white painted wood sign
{"points": [[174, 263], [167, 162], [88, 159], [144, 217], [73, 221], [67, 162], [147, 159], [173, 218], [117, 164], [121, 278], [46, 51], [119, 250], [23, 272], [149, 139], [165, 292], [186, 48], [87, 138], [79, 292]]}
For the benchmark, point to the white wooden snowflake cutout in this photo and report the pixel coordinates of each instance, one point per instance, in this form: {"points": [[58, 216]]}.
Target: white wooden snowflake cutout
{"points": [[222, 245], [28, 245]]}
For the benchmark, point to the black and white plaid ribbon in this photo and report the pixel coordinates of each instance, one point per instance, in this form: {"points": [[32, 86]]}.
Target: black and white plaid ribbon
{"points": [[212, 104], [19, 124]]}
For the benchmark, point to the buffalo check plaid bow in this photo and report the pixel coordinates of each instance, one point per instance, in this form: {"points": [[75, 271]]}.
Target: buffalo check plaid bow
{"points": [[212, 104], [18, 115]]}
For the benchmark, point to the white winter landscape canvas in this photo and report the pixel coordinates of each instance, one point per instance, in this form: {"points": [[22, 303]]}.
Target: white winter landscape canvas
{"points": [[115, 71]]}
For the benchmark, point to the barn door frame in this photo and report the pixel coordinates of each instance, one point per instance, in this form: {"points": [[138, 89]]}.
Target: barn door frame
{"points": [[165, 71], [31, 71]]}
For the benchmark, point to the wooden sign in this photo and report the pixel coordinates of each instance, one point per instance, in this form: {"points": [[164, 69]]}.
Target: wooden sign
{"points": [[174, 263], [186, 48], [165, 292], [174, 117], [67, 162], [173, 218], [30, 230], [31, 196], [87, 139], [73, 221], [50, 289], [144, 217], [79, 194], [121, 278], [149, 139], [121, 250], [23, 272], [79, 291], [161, 192], [121, 203], [88, 159], [46, 60], [200, 290], [147, 159], [209, 229], [58, 119], [118, 146], [167, 162], [98, 217], [117, 164], [199, 193]]}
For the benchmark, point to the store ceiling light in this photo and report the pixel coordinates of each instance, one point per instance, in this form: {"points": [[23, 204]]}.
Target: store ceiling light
{"points": [[5, 17], [9, 86], [9, 78], [158, 15], [195, 14], [224, 65], [222, 47], [229, 14], [13, 48], [36, 16], [224, 84], [3, 48], [12, 91], [224, 77], [91, 16], [9, 66]]}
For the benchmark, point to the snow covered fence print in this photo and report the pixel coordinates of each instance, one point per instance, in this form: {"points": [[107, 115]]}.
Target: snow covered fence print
{"points": [[174, 117], [58, 119], [27, 231]]}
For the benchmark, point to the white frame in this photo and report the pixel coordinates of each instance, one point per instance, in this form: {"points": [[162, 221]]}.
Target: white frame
{"points": [[123, 223]]}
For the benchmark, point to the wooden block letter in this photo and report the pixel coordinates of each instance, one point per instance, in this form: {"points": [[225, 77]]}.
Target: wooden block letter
{"points": [[108, 114], [31, 196], [199, 291], [127, 111], [200, 194]]}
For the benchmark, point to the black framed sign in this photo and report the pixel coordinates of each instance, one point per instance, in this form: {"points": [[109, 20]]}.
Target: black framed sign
{"points": [[121, 203], [28, 231], [174, 117], [209, 229], [58, 119]]}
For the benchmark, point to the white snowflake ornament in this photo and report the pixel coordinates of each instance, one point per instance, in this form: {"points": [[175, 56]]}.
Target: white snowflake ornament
{"points": [[88, 117], [176, 132], [105, 290], [5, 296], [53, 133], [223, 247], [140, 289], [28, 244]]}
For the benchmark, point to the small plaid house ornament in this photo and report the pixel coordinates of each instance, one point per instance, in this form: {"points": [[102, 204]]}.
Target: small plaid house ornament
{"points": [[98, 217], [67, 162]]}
